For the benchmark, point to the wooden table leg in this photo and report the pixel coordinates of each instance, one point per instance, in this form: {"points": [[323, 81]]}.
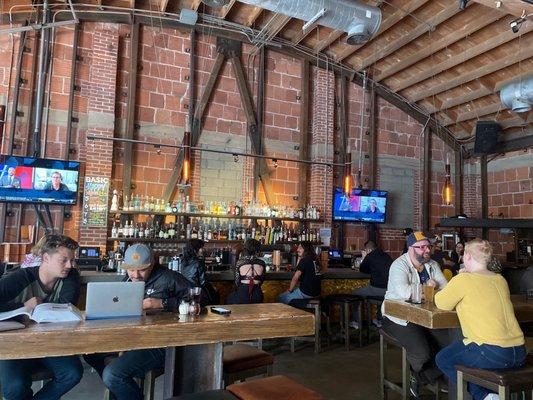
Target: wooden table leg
{"points": [[192, 369]]}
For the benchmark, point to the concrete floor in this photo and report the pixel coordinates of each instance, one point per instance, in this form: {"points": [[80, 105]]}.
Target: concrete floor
{"points": [[335, 373]]}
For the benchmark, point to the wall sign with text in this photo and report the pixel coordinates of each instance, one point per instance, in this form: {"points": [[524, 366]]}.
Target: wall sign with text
{"points": [[95, 198]]}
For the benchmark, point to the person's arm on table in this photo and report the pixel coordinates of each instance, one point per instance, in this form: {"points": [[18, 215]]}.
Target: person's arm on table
{"points": [[294, 280], [451, 295]]}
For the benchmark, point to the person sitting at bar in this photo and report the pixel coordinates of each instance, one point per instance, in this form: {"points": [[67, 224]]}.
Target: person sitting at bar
{"points": [[442, 258], [492, 336], [55, 280], [249, 276], [457, 255], [163, 290], [377, 263], [193, 269], [416, 267], [307, 276]]}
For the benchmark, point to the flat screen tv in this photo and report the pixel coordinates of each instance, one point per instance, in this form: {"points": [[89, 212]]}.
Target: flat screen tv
{"points": [[38, 180], [362, 205]]}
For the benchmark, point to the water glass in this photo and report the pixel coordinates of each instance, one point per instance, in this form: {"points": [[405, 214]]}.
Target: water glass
{"points": [[416, 293]]}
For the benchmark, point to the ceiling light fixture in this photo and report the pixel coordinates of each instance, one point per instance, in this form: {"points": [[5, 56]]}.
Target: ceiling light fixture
{"points": [[447, 192], [186, 167], [347, 182]]}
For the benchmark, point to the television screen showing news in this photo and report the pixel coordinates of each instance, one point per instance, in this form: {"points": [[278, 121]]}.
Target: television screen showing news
{"points": [[38, 180], [362, 205]]}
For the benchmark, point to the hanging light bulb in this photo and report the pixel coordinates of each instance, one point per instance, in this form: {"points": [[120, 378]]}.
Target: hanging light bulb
{"points": [[447, 192], [347, 182], [186, 168]]}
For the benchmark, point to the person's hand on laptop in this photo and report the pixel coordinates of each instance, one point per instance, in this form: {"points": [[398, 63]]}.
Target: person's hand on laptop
{"points": [[152, 304], [33, 302]]}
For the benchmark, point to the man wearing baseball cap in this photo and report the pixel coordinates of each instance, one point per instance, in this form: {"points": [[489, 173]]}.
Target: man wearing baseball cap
{"points": [[416, 266], [163, 290]]}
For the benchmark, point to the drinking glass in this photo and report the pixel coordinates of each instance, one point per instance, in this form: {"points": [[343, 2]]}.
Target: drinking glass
{"points": [[429, 293], [416, 293]]}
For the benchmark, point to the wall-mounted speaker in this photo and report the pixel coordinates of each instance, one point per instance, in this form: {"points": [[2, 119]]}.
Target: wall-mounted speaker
{"points": [[486, 136]]}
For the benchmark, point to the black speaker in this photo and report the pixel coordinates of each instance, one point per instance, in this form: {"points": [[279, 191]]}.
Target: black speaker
{"points": [[486, 136]]}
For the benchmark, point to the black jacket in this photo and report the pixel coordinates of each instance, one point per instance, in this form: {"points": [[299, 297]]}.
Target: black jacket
{"points": [[194, 270], [166, 284], [377, 263], [20, 285]]}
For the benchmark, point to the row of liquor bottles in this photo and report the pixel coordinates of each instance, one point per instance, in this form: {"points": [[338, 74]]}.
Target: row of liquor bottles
{"points": [[213, 230], [185, 205]]}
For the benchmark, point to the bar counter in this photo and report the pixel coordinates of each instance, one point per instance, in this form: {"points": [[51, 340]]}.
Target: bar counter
{"points": [[335, 280]]}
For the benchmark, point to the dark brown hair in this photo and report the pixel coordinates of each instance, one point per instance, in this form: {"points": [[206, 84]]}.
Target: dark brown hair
{"points": [[50, 243]]}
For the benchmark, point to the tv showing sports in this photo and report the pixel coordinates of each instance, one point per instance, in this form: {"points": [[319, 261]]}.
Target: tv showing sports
{"points": [[362, 205], [38, 180]]}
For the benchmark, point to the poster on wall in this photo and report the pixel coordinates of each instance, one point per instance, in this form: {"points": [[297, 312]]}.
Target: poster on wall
{"points": [[95, 197]]}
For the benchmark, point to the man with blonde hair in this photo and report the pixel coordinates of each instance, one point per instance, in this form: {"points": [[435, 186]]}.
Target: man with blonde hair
{"points": [[492, 337]]}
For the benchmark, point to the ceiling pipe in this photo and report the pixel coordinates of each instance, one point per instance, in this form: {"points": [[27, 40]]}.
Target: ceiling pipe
{"points": [[359, 21], [518, 94]]}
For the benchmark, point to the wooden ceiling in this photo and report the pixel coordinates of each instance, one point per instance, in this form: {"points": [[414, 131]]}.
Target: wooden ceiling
{"points": [[450, 62]]}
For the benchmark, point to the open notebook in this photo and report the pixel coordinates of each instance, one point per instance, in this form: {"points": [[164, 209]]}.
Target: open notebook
{"points": [[47, 312]]}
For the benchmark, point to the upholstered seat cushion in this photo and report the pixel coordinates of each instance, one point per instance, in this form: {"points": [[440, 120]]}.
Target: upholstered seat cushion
{"points": [[517, 377], [209, 395], [274, 387], [240, 357]]}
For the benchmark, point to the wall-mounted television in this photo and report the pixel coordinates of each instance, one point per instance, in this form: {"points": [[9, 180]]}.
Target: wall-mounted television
{"points": [[38, 180], [362, 205]]}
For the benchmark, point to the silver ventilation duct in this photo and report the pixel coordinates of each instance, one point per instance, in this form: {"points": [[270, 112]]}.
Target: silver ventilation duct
{"points": [[359, 21], [518, 95]]}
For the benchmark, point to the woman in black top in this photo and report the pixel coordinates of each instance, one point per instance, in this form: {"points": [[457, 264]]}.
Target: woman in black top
{"points": [[193, 268], [249, 276], [307, 275]]}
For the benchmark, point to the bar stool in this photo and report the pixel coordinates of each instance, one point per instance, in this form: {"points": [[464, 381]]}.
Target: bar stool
{"points": [[503, 382], [243, 361], [312, 305], [369, 302], [384, 381], [209, 395], [346, 302], [274, 387]]}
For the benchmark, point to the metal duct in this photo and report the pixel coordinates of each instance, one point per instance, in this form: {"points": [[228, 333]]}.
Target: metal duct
{"points": [[518, 95], [359, 21]]}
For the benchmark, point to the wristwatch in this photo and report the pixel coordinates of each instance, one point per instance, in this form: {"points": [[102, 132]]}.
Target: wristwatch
{"points": [[165, 303]]}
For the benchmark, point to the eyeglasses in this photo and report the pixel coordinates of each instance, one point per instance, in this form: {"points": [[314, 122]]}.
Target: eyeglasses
{"points": [[423, 246]]}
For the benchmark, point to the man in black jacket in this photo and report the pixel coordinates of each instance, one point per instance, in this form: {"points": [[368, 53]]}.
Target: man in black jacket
{"points": [[53, 281], [163, 290], [377, 263]]}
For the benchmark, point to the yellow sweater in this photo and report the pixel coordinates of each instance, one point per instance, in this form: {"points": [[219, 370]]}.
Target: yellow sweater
{"points": [[484, 309]]}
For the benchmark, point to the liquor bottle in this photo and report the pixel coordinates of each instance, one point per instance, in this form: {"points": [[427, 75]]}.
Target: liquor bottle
{"points": [[188, 232], [165, 232], [151, 205], [114, 230], [126, 205], [131, 230], [141, 231], [120, 231], [146, 205], [172, 231], [174, 208], [136, 231], [147, 231]]}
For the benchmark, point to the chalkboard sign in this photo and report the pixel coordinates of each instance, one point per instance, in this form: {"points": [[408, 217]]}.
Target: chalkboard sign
{"points": [[95, 198]]}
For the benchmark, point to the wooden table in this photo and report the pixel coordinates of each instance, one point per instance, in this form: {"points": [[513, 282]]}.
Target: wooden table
{"points": [[195, 365], [429, 316]]}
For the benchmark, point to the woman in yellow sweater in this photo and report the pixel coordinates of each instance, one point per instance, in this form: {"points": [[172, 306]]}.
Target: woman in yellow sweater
{"points": [[493, 339]]}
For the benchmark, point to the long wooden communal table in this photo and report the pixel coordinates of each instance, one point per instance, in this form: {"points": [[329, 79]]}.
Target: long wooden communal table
{"points": [[194, 344], [428, 315]]}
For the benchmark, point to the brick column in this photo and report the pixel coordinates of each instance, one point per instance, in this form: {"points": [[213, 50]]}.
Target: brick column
{"points": [[322, 125], [98, 155]]}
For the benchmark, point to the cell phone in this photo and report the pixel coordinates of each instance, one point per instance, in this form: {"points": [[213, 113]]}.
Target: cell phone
{"points": [[220, 310]]}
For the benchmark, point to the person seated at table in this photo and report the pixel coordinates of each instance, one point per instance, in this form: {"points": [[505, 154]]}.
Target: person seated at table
{"points": [[307, 276], [492, 336], [457, 256], [377, 263], [442, 257], [249, 276], [416, 267], [55, 280], [163, 290]]}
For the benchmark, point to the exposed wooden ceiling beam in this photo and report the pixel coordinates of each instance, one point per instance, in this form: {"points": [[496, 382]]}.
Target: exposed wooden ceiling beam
{"points": [[453, 101], [477, 112], [420, 29], [334, 35], [303, 34], [254, 14], [485, 46], [426, 51], [522, 54], [513, 7], [277, 23], [224, 11], [386, 24]]}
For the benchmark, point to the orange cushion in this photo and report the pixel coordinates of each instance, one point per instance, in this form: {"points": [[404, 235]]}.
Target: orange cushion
{"points": [[274, 387], [240, 357]]}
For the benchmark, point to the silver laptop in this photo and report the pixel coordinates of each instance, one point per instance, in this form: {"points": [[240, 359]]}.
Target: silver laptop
{"points": [[114, 299]]}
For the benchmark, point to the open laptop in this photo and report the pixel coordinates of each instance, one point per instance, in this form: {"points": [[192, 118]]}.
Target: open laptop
{"points": [[114, 299]]}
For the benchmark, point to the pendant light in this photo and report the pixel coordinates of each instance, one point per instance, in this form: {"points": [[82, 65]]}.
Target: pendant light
{"points": [[186, 167], [447, 193], [347, 182]]}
